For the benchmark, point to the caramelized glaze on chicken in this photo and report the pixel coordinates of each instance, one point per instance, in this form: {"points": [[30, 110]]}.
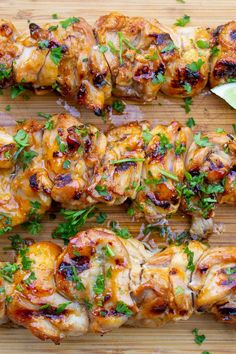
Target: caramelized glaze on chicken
{"points": [[223, 63], [100, 282], [25, 186], [163, 169], [160, 170], [129, 57]]}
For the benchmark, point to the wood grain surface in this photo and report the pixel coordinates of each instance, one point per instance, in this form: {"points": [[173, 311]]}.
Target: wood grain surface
{"points": [[209, 112]]}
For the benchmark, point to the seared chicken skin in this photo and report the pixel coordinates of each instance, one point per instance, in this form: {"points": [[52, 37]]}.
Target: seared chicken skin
{"points": [[129, 57], [160, 170], [100, 282], [25, 186]]}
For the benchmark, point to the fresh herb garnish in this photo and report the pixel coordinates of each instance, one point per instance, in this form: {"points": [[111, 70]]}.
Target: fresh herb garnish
{"points": [[215, 51], [102, 190], [181, 22], [8, 270], [52, 28], [99, 285], [201, 141], [199, 339], [56, 55], [147, 136], [131, 159], [109, 251], [122, 308], [66, 164], [27, 157], [74, 221], [187, 104], [4, 72], [187, 87], [190, 122], [16, 91], [190, 256], [195, 65], [101, 218], [62, 307], [30, 279], [167, 174], [169, 48], [118, 106], [8, 108], [102, 48], [33, 225], [69, 21], [202, 44], [158, 79], [122, 232]]}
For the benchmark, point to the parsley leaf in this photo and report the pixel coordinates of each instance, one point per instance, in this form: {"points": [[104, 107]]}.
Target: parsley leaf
{"points": [[190, 122], [190, 256], [56, 55], [99, 285], [28, 157], [122, 232], [101, 218], [158, 79], [147, 136], [118, 106], [202, 44], [122, 308], [199, 339], [62, 307], [195, 65], [201, 141], [181, 22], [102, 191], [69, 21], [16, 91], [187, 104]]}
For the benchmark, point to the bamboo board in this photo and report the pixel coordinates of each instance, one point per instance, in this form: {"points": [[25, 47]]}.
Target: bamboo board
{"points": [[209, 112]]}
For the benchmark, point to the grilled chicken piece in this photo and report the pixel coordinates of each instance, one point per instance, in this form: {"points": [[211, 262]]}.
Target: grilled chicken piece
{"points": [[213, 283], [163, 293], [187, 68], [100, 282], [118, 176], [223, 61], [210, 164], [8, 52], [131, 50], [25, 187], [64, 57], [35, 302], [95, 269], [72, 152], [163, 170]]}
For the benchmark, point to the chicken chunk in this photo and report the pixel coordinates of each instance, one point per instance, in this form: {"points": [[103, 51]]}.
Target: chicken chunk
{"points": [[95, 269], [163, 170], [64, 57], [223, 60], [34, 300], [72, 152]]}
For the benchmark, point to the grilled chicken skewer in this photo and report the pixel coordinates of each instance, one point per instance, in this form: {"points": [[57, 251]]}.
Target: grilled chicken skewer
{"points": [[161, 170], [129, 57], [100, 282]]}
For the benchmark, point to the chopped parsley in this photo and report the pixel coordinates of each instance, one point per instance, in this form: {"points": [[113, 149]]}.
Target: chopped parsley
{"points": [[190, 256], [30, 279], [6, 221], [167, 174], [201, 141], [101, 218], [25, 260], [199, 339], [190, 122], [52, 28], [4, 72], [181, 22], [179, 148], [27, 157], [33, 225], [169, 48], [108, 251], [16, 242], [122, 308], [234, 127], [118, 106], [99, 285], [179, 290], [152, 57], [8, 270], [122, 232], [187, 87], [164, 144], [158, 79], [62, 146], [147, 136], [102, 191], [69, 21], [195, 65], [16, 91], [8, 108], [62, 307], [215, 51], [187, 104], [56, 55], [202, 44], [55, 16], [74, 221], [77, 280], [130, 212]]}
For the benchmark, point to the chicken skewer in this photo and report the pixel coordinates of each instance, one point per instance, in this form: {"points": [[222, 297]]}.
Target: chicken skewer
{"points": [[161, 170], [100, 282], [129, 57]]}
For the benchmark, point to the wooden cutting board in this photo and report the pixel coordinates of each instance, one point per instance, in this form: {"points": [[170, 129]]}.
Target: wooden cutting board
{"points": [[209, 112]]}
